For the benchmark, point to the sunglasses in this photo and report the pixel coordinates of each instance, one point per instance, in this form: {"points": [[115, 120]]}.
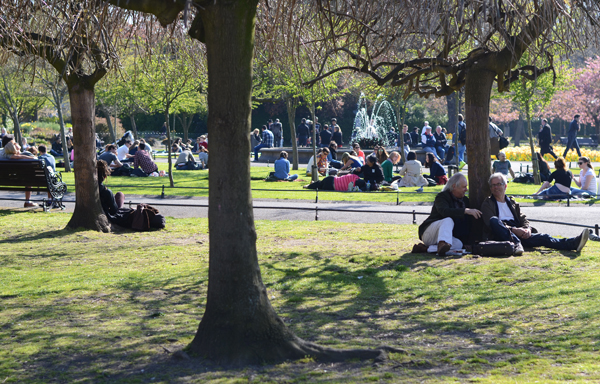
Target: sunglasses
{"points": [[580, 162]]}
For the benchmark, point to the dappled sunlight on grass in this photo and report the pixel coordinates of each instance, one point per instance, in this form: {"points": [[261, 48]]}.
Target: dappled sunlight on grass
{"points": [[87, 306]]}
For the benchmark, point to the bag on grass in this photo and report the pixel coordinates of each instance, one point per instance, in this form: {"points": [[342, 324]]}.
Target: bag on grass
{"points": [[494, 248], [146, 217], [524, 178]]}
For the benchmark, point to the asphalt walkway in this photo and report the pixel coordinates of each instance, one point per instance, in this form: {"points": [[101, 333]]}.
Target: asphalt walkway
{"points": [[363, 212]]}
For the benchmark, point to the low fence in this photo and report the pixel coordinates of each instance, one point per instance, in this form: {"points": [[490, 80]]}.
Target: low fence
{"points": [[316, 210]]}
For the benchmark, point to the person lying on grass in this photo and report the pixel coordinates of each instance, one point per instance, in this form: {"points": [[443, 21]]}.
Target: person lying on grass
{"points": [[447, 227], [350, 182], [504, 222]]}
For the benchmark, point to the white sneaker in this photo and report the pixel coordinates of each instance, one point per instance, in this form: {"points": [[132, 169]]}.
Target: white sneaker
{"points": [[583, 238]]}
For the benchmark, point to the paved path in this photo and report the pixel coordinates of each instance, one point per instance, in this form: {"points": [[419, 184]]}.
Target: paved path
{"points": [[266, 209]]}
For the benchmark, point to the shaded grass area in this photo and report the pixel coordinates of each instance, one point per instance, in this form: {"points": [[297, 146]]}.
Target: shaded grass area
{"points": [[80, 306], [195, 183]]}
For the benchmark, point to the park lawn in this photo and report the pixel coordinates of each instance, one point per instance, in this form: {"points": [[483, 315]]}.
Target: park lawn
{"points": [[82, 306], [195, 183]]}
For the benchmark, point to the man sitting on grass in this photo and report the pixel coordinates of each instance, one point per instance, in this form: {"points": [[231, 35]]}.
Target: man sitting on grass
{"points": [[447, 227], [504, 222]]}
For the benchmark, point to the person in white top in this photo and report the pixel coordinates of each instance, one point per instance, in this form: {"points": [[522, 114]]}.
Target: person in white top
{"points": [[123, 152], [587, 180], [425, 127]]}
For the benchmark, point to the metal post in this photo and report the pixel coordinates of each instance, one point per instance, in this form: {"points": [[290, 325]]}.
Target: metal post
{"points": [[414, 217], [521, 169], [397, 197], [162, 195], [316, 213], [568, 201], [129, 204], [527, 168], [597, 230], [317, 196]]}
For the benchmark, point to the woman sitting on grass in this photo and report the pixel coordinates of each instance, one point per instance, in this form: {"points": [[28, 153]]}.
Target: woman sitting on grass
{"points": [[359, 153], [436, 170], [112, 205], [282, 168], [381, 154], [411, 172], [587, 180], [543, 167], [351, 161], [388, 167], [562, 182]]}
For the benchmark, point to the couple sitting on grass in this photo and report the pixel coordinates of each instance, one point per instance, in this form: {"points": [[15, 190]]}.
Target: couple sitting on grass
{"points": [[447, 227]]}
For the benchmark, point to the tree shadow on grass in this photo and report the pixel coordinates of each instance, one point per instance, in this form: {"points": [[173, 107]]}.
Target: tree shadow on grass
{"points": [[325, 302]]}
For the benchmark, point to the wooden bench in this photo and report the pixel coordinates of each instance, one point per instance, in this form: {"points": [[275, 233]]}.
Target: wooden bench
{"points": [[582, 141], [32, 175]]}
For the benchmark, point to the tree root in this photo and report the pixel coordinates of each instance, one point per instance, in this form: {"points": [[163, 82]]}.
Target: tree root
{"points": [[331, 355]]}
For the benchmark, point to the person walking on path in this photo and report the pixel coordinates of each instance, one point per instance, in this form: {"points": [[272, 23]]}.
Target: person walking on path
{"points": [[572, 137], [545, 139]]}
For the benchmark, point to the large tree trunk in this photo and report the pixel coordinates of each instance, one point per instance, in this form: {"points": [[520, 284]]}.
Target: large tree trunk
{"points": [[239, 325], [88, 211], [291, 110], [478, 88]]}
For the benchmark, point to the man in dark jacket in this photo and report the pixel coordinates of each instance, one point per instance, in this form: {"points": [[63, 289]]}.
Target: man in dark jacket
{"points": [[302, 133], [325, 136], [447, 227], [277, 131], [545, 139], [504, 222], [572, 137]]}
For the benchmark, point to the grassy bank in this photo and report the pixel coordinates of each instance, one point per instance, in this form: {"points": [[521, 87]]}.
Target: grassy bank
{"points": [[80, 306]]}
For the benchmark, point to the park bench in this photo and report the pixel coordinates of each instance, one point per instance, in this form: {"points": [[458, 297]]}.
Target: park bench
{"points": [[32, 175], [582, 141]]}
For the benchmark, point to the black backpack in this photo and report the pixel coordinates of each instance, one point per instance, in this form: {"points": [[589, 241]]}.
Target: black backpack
{"points": [[462, 133]]}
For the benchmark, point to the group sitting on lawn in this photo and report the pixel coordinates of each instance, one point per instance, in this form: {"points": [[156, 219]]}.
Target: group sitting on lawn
{"points": [[448, 226]]}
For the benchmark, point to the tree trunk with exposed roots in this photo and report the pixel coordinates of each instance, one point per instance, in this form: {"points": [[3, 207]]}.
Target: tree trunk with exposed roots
{"points": [[88, 212], [239, 325]]}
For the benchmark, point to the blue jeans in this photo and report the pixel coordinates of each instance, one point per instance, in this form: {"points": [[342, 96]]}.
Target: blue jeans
{"points": [[441, 152], [553, 193], [290, 177], [54, 153], [577, 191], [572, 143], [432, 150], [500, 232], [461, 152], [258, 148]]}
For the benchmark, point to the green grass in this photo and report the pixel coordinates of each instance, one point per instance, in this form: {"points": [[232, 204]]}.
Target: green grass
{"points": [[195, 183], [81, 306]]}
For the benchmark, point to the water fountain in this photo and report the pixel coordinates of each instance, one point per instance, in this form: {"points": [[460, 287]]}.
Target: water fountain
{"points": [[373, 130]]}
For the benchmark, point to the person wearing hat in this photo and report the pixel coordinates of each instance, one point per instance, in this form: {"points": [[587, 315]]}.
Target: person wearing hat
{"points": [[428, 141]]}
